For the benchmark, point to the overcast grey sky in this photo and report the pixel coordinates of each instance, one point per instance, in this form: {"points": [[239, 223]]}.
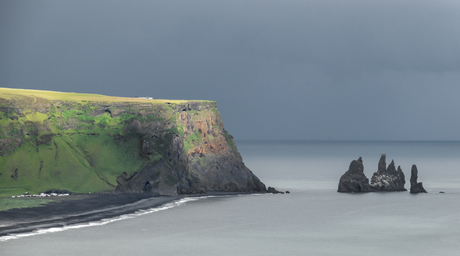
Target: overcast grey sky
{"points": [[298, 70]]}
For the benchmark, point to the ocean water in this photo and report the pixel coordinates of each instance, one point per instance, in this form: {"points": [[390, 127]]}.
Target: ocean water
{"points": [[312, 220]]}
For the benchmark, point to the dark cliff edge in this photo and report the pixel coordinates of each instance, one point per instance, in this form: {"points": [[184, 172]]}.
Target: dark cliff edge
{"points": [[92, 143]]}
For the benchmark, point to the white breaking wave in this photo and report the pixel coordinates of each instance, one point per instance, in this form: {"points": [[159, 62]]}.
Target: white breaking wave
{"points": [[103, 221]]}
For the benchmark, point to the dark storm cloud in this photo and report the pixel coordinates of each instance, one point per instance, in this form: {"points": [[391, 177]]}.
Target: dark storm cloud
{"points": [[278, 69]]}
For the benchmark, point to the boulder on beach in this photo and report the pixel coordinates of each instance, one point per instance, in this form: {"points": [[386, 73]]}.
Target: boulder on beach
{"points": [[354, 179]]}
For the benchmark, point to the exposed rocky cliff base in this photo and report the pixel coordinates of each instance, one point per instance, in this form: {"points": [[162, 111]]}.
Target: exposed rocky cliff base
{"points": [[91, 143]]}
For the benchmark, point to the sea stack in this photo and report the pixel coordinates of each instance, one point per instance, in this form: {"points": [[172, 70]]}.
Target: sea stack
{"points": [[388, 179], [415, 187], [354, 179]]}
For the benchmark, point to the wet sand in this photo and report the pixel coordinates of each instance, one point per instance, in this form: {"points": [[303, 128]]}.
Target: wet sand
{"points": [[76, 209]]}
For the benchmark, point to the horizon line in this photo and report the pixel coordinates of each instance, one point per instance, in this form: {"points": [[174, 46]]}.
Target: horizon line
{"points": [[306, 140]]}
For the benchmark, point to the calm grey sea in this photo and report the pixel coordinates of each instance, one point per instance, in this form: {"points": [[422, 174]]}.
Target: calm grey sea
{"points": [[313, 220]]}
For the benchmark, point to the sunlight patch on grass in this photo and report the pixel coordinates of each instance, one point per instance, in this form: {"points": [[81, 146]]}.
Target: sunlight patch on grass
{"points": [[8, 93]]}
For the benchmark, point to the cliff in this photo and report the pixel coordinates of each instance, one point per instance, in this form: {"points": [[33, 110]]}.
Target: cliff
{"points": [[91, 143]]}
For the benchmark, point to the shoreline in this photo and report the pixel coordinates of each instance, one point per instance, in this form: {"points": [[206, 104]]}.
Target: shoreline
{"points": [[84, 208], [76, 209]]}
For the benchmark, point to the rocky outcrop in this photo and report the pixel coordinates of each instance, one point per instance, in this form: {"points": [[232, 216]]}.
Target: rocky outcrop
{"points": [[385, 179], [275, 191], [155, 178], [415, 187], [7, 145], [354, 179], [388, 179]]}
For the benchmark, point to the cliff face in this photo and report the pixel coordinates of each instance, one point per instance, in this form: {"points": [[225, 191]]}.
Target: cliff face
{"points": [[92, 143]]}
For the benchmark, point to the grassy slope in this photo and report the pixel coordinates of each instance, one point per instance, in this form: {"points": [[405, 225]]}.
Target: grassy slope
{"points": [[78, 163], [10, 203], [8, 93], [73, 160]]}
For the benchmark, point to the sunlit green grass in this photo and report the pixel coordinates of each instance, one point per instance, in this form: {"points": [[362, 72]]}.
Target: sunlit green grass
{"points": [[8, 93], [78, 163], [13, 203]]}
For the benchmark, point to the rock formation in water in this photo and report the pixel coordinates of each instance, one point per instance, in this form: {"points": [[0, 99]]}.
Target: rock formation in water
{"points": [[92, 143], [414, 186], [388, 179], [275, 191], [354, 179]]}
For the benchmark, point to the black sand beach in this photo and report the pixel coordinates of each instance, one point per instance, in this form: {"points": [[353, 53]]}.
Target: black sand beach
{"points": [[76, 209]]}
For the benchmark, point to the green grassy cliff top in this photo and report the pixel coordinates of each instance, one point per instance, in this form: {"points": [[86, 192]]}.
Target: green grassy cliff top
{"points": [[8, 93]]}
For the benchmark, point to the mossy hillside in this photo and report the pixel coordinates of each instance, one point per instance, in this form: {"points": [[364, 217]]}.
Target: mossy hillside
{"points": [[32, 116], [60, 110], [81, 145], [78, 163]]}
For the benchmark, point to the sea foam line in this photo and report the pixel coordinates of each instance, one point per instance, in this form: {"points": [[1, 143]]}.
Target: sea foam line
{"points": [[103, 221]]}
